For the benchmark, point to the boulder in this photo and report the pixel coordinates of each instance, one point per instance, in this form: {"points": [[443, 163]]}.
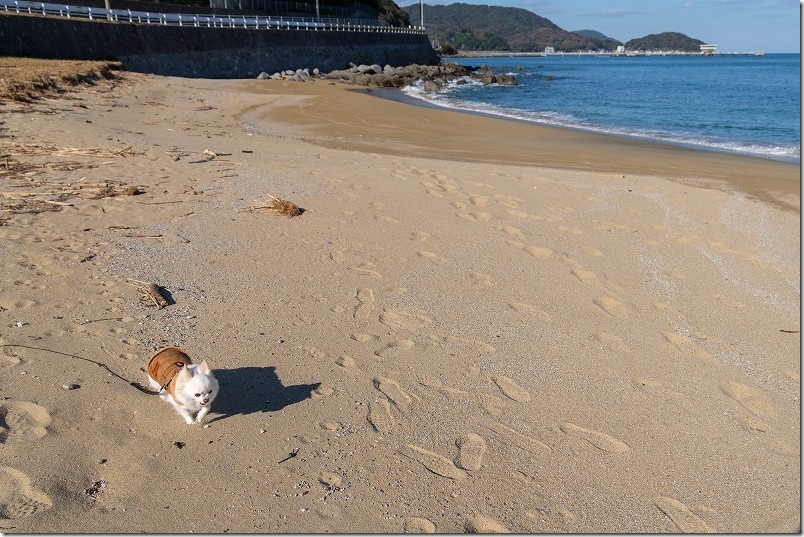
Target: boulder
{"points": [[262, 76], [506, 80], [488, 77], [432, 86]]}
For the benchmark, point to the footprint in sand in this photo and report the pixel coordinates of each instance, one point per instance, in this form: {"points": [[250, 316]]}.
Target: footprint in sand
{"points": [[418, 525], [432, 257], [586, 276], [512, 232], [346, 362], [533, 311], [337, 256], [475, 216], [481, 524], [520, 440], [393, 391], [386, 219], [21, 420], [523, 214], [394, 348], [479, 201], [571, 230], [380, 417], [363, 338], [752, 399], [511, 389], [478, 278], [23, 304], [471, 449], [611, 341], [538, 252], [466, 345], [419, 236], [405, 320], [508, 204], [685, 345], [684, 519], [613, 307], [17, 498], [9, 356], [365, 299], [493, 405], [600, 440], [368, 270], [795, 376], [433, 461]]}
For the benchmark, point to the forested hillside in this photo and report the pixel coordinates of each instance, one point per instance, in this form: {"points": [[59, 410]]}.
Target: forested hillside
{"points": [[665, 41], [477, 27]]}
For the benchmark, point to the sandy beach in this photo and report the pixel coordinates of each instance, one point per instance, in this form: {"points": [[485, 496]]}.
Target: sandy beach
{"points": [[475, 325]]}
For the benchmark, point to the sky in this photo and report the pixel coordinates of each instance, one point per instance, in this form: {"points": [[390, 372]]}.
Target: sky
{"points": [[733, 25]]}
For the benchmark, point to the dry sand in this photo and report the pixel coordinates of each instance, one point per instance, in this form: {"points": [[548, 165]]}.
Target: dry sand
{"points": [[475, 325]]}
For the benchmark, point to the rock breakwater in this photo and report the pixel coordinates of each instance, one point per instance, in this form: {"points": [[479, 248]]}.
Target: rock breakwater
{"points": [[433, 77]]}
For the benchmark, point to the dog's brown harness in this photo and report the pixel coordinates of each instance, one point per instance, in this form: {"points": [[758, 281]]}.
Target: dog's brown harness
{"points": [[165, 364]]}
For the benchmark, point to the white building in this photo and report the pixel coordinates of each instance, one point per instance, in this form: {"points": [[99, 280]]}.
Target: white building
{"points": [[708, 50]]}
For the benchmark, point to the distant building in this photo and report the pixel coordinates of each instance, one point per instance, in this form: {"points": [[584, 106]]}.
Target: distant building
{"points": [[549, 50], [620, 49], [708, 50]]}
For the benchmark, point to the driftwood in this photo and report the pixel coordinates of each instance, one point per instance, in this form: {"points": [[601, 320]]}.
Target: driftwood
{"points": [[151, 293]]}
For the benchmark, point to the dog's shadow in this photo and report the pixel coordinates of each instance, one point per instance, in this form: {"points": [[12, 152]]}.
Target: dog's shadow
{"points": [[248, 390]]}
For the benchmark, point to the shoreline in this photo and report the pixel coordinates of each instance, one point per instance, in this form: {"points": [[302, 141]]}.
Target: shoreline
{"points": [[391, 93], [441, 342], [455, 134]]}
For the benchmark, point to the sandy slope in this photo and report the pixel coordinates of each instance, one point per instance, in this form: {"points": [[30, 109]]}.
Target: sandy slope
{"points": [[450, 343]]}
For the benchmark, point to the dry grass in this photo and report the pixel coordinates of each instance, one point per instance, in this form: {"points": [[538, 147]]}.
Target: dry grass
{"points": [[279, 206], [27, 79], [284, 207], [26, 171]]}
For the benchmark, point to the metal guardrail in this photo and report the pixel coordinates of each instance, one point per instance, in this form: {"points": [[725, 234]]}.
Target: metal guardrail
{"points": [[207, 21]]}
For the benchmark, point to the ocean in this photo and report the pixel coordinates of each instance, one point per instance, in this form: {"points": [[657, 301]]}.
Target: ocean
{"points": [[742, 104]]}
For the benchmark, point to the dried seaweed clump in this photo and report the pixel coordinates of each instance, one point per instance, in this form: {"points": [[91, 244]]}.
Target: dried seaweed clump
{"points": [[279, 206], [284, 207]]}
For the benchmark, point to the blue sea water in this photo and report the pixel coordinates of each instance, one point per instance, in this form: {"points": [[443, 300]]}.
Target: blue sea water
{"points": [[744, 104]]}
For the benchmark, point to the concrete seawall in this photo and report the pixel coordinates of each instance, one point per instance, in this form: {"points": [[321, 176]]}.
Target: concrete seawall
{"points": [[206, 52]]}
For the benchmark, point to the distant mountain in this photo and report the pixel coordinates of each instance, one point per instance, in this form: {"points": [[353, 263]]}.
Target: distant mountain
{"points": [[477, 27], [594, 34], [665, 41], [609, 42]]}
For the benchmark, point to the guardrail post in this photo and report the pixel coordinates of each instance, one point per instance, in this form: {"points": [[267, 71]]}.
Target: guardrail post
{"points": [[89, 10]]}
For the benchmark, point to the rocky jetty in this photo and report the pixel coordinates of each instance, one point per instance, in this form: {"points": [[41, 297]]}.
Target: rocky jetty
{"points": [[434, 77]]}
